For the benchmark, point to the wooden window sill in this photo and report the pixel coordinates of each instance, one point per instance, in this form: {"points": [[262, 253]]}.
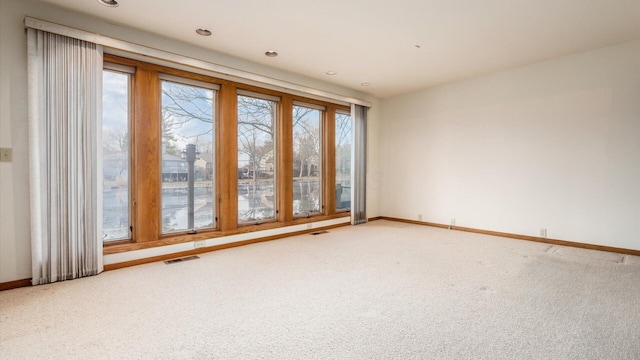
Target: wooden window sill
{"points": [[210, 234]]}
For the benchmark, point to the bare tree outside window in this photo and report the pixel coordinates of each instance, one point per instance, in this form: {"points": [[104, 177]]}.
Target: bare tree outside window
{"points": [[256, 159], [115, 156], [343, 161], [307, 161], [187, 149]]}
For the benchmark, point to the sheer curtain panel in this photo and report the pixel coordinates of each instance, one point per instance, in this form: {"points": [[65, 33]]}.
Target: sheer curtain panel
{"points": [[65, 94], [359, 168]]}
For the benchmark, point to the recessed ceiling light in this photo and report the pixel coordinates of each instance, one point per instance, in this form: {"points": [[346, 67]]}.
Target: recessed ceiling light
{"points": [[271, 53], [203, 32], [109, 3], [331, 72], [366, 84]]}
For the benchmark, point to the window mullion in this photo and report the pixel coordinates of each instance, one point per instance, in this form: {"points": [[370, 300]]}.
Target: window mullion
{"points": [[146, 157], [329, 155], [227, 158], [285, 159]]}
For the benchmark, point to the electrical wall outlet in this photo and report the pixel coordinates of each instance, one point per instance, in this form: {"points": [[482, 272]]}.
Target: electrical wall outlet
{"points": [[453, 222], [198, 244], [309, 225], [419, 217], [5, 154], [543, 232]]}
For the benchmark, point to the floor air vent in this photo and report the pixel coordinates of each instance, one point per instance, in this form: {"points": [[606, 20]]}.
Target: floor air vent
{"points": [[186, 258], [319, 232]]}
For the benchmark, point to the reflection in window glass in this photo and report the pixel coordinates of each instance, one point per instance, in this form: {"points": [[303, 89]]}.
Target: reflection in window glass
{"points": [[187, 157], [307, 196], [343, 162], [256, 159], [115, 156]]}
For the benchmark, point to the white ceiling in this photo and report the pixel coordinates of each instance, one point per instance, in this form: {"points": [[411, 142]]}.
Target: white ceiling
{"points": [[374, 40]]}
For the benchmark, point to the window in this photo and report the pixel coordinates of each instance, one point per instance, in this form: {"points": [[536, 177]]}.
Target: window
{"points": [[307, 159], [343, 161], [115, 153], [187, 153], [256, 157], [187, 156]]}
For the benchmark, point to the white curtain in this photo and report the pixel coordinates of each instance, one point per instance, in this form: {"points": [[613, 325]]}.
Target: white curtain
{"points": [[65, 96], [359, 167]]}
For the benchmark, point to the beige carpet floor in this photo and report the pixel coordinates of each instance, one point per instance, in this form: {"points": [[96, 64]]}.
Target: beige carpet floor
{"points": [[384, 290]]}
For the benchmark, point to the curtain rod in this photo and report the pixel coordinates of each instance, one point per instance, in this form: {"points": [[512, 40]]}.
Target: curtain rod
{"points": [[138, 49]]}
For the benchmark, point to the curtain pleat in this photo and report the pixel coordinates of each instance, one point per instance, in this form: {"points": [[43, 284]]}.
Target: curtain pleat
{"points": [[359, 168], [65, 87]]}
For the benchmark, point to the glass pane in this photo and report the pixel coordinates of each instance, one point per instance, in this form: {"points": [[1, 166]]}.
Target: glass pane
{"points": [[187, 157], [256, 159], [115, 156], [307, 159], [343, 162]]}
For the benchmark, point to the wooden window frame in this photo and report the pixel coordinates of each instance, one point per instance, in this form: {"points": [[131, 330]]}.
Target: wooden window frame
{"points": [[145, 142]]}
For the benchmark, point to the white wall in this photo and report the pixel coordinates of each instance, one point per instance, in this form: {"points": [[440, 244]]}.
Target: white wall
{"points": [[15, 251], [552, 145]]}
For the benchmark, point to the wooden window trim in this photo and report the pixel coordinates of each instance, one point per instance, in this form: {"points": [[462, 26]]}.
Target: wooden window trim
{"points": [[184, 238], [329, 168], [284, 182], [146, 164], [146, 159], [227, 158]]}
